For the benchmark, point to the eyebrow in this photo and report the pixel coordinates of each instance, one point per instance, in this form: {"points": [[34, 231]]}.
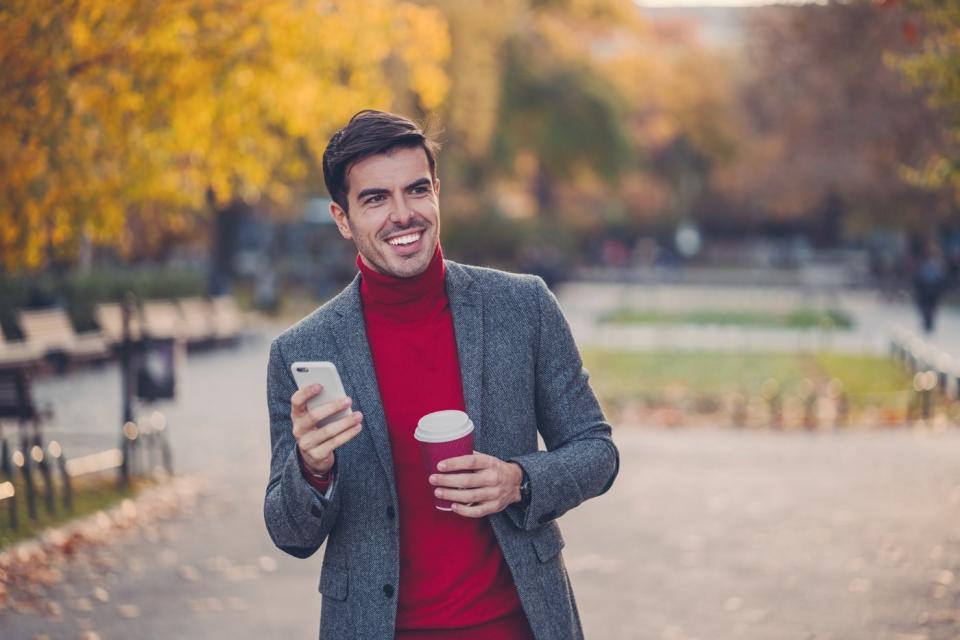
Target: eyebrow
{"points": [[376, 191], [418, 183], [372, 191]]}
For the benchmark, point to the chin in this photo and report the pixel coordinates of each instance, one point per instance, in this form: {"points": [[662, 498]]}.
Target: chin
{"points": [[411, 268], [412, 265]]}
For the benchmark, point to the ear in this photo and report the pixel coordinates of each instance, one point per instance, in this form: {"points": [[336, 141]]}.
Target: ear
{"points": [[436, 186], [343, 221]]}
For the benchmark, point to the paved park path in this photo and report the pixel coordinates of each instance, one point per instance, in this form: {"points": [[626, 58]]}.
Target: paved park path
{"points": [[707, 534], [873, 317]]}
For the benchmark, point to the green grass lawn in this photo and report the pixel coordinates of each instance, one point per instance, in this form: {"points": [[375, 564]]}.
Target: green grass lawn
{"points": [[89, 496], [655, 376], [796, 319], [865, 376]]}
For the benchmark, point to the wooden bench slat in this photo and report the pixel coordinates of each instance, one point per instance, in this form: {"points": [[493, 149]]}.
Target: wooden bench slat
{"points": [[50, 331], [196, 314], [161, 319], [110, 319]]}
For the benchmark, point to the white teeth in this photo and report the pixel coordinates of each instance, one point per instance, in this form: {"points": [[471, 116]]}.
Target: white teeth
{"points": [[407, 239]]}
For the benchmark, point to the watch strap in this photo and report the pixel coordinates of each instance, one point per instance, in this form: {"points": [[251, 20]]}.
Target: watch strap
{"points": [[525, 489]]}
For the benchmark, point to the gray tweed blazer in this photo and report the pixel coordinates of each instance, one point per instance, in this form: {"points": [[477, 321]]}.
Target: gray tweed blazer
{"points": [[522, 374]]}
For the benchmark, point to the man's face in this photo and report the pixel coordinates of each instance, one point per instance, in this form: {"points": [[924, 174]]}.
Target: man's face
{"points": [[394, 216]]}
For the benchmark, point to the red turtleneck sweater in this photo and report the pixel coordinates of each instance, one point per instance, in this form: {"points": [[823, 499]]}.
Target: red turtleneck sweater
{"points": [[454, 581]]}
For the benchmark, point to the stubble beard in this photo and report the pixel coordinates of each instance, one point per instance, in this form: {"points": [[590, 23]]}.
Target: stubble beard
{"points": [[402, 266]]}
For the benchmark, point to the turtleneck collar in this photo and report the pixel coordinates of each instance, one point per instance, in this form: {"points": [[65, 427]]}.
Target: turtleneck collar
{"points": [[404, 298]]}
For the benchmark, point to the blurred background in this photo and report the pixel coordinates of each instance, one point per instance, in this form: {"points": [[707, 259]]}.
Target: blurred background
{"points": [[577, 134], [748, 211]]}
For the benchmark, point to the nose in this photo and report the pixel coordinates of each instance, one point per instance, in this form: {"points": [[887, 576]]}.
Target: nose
{"points": [[402, 215]]}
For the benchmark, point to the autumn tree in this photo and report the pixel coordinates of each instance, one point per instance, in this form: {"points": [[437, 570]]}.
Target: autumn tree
{"points": [[833, 125], [530, 112], [935, 67], [681, 116], [584, 97], [124, 121]]}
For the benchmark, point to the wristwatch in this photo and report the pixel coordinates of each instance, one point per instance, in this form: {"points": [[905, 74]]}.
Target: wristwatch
{"points": [[525, 490]]}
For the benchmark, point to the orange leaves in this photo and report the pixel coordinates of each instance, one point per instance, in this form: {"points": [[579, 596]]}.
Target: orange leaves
{"points": [[111, 109], [424, 46], [80, 35]]}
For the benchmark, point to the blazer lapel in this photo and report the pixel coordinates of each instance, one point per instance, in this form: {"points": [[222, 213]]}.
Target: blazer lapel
{"points": [[351, 338], [466, 306]]}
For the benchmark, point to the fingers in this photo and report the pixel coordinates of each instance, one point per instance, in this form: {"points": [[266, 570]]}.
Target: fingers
{"points": [[316, 457], [306, 421], [483, 486], [466, 463], [471, 488], [469, 496], [319, 445], [316, 437], [464, 480], [475, 510], [298, 401]]}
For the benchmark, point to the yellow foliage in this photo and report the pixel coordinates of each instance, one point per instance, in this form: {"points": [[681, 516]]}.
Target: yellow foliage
{"points": [[478, 30], [111, 111]]}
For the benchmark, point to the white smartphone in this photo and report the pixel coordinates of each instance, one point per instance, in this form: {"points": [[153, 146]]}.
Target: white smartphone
{"points": [[325, 374]]}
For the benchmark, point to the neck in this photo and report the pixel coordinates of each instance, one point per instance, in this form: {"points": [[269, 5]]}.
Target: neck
{"points": [[386, 293]]}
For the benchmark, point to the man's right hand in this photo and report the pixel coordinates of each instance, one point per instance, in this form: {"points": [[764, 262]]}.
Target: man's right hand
{"points": [[318, 444]]}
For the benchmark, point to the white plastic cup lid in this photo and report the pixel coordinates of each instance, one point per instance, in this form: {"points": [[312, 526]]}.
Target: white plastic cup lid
{"points": [[443, 426]]}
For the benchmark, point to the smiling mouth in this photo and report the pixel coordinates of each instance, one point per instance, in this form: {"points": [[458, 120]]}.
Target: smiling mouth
{"points": [[404, 240]]}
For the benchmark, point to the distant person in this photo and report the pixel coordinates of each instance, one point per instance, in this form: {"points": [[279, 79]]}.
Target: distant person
{"points": [[929, 282], [413, 334]]}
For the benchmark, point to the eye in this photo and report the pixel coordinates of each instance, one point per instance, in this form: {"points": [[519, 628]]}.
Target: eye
{"points": [[421, 190], [375, 199]]}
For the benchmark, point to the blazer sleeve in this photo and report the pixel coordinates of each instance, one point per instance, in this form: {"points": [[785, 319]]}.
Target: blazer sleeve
{"points": [[298, 517], [581, 460]]}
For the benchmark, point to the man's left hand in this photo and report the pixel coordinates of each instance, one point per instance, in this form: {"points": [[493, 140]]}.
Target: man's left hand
{"points": [[478, 484]]}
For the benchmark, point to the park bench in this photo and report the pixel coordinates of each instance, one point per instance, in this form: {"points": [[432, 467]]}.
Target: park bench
{"points": [[193, 320], [110, 319], [17, 354], [227, 319], [50, 333], [162, 319], [197, 323]]}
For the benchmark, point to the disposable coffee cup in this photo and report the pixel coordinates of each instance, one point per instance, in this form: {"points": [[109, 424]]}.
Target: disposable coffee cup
{"points": [[442, 435]]}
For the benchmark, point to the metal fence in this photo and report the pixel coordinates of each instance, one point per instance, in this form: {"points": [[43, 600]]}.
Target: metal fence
{"points": [[38, 471], [935, 372]]}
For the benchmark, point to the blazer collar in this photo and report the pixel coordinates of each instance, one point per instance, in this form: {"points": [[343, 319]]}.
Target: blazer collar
{"points": [[466, 306], [350, 334]]}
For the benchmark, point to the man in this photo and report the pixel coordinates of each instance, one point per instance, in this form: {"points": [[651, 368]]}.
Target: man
{"points": [[411, 335], [929, 282]]}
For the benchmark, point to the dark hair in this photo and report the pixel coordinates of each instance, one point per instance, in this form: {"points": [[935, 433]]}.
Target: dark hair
{"points": [[369, 133]]}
